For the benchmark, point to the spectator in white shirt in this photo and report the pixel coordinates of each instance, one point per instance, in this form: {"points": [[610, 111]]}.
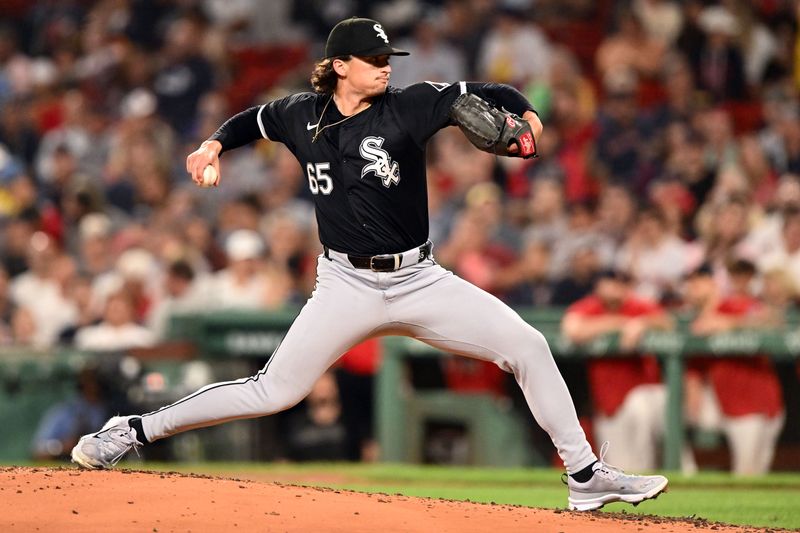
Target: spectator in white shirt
{"points": [[242, 284], [41, 290], [786, 255], [653, 256], [515, 51], [118, 331]]}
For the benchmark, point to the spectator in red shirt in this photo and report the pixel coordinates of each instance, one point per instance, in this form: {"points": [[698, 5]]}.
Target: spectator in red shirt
{"points": [[746, 403], [626, 389]]}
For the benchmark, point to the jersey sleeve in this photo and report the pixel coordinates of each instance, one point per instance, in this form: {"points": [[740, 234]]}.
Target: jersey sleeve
{"points": [[424, 108], [271, 121]]}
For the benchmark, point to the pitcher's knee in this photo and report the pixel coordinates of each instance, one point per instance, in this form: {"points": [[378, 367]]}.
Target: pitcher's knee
{"points": [[528, 348], [276, 394]]}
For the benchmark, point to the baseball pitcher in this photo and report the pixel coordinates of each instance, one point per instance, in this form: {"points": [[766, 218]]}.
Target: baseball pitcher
{"points": [[362, 145]]}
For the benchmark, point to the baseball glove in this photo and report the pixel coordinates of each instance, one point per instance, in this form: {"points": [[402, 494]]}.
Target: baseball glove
{"points": [[492, 130]]}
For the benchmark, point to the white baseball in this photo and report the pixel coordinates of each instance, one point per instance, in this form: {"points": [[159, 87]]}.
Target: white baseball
{"points": [[209, 176]]}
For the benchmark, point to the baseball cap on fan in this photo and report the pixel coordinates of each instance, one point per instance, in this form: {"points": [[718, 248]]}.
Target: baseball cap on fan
{"points": [[359, 37]]}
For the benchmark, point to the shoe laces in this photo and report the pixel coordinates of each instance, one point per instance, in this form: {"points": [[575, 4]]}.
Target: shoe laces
{"points": [[603, 468], [118, 444]]}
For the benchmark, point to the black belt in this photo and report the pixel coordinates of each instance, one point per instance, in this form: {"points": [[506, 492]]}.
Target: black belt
{"points": [[383, 262]]}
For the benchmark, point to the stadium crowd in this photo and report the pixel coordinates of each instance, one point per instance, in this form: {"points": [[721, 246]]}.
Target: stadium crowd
{"points": [[670, 166]]}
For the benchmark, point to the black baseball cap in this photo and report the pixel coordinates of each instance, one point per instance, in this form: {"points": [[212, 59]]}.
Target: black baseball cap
{"points": [[359, 37]]}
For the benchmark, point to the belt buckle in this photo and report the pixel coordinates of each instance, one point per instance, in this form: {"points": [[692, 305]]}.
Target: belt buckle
{"points": [[396, 258]]}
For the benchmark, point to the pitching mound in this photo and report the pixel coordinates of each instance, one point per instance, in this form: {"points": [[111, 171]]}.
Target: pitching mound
{"points": [[66, 500]]}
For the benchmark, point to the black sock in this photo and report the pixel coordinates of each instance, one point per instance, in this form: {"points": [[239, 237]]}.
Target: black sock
{"points": [[136, 423], [582, 476]]}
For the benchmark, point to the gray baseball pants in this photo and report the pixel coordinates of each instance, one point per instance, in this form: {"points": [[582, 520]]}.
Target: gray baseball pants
{"points": [[421, 300]]}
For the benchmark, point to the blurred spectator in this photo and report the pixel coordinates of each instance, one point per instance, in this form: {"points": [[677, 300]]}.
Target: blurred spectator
{"points": [[355, 377], [242, 284], [626, 390], [79, 294], [63, 424], [41, 290], [242, 212], [582, 233], [566, 147], [564, 74], [286, 185], [24, 329], [619, 151], [761, 178], [746, 403], [723, 228], [779, 296], [530, 277], [442, 211], [17, 131], [117, 331], [687, 177], [616, 212], [434, 59], [629, 47], [94, 244], [287, 235], [315, 432], [252, 22], [17, 235], [662, 20], [81, 135], [691, 37], [515, 50], [786, 255], [767, 235], [779, 137], [718, 63], [136, 272], [141, 144], [654, 257], [321, 15], [458, 163], [6, 309], [681, 97], [472, 255], [758, 43], [578, 280], [182, 293], [721, 152], [184, 75], [548, 217]]}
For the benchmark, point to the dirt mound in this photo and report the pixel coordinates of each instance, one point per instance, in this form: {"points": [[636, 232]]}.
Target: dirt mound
{"points": [[66, 500]]}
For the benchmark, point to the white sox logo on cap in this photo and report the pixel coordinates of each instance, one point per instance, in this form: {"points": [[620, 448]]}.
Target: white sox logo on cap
{"points": [[382, 34]]}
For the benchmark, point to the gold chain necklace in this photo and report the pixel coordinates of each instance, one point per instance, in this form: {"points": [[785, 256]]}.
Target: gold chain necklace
{"points": [[318, 131]]}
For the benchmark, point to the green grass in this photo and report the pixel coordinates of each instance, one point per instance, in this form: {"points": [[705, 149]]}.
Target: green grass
{"points": [[770, 501]]}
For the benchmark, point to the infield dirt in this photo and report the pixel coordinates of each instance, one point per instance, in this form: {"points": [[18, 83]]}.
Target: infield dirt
{"points": [[71, 500]]}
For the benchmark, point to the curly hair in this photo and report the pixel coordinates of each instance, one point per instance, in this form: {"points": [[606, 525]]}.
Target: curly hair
{"points": [[323, 77]]}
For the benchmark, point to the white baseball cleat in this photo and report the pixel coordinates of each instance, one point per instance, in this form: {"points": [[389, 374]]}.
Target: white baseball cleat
{"points": [[105, 448], [611, 484]]}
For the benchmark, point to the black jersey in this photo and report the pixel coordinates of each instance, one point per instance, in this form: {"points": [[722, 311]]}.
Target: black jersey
{"points": [[367, 174]]}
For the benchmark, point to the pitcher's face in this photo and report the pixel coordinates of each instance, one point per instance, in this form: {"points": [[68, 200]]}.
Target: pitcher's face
{"points": [[366, 75]]}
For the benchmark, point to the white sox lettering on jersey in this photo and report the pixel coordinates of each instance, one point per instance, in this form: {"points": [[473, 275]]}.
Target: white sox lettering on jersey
{"points": [[382, 164]]}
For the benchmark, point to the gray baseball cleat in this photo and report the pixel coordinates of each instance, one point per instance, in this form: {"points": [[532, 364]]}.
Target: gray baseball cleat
{"points": [[105, 448], [611, 484]]}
